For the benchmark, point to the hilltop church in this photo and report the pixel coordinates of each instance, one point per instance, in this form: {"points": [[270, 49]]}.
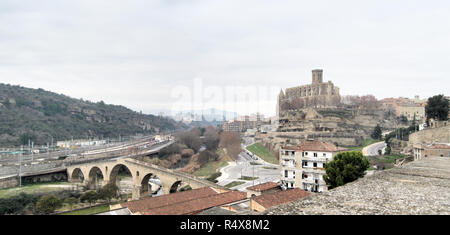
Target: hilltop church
{"points": [[319, 94]]}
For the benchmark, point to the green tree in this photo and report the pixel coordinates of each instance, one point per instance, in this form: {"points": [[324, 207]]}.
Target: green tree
{"points": [[108, 192], [344, 168], [388, 150], [48, 204], [17, 204], [376, 134], [71, 201], [437, 108], [89, 196]]}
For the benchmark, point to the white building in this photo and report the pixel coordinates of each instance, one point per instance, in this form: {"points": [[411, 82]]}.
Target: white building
{"points": [[303, 166]]}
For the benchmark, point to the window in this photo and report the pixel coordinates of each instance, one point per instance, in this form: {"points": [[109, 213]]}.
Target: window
{"points": [[306, 153], [285, 173], [324, 154], [315, 164], [315, 154]]}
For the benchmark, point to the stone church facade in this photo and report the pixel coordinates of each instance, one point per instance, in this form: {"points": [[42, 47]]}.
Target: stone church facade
{"points": [[319, 94]]}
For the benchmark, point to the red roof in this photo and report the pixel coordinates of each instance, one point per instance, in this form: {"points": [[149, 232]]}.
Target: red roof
{"points": [[197, 205], [316, 145], [263, 187], [147, 204], [440, 146], [282, 197]]}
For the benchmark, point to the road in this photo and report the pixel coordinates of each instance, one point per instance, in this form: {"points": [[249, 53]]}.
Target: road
{"points": [[372, 150], [88, 150], [29, 167], [265, 172]]}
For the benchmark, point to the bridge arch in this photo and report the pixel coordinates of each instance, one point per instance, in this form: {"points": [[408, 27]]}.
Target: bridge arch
{"points": [[174, 187], [119, 168], [148, 186], [77, 175], [141, 173], [96, 178], [118, 175]]}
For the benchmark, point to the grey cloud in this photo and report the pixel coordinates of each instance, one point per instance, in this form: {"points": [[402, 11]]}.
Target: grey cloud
{"points": [[135, 51]]}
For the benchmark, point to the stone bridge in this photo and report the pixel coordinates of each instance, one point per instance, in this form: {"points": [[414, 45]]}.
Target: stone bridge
{"points": [[141, 172]]}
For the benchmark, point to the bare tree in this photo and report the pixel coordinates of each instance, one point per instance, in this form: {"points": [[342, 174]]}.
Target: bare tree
{"points": [[231, 142]]}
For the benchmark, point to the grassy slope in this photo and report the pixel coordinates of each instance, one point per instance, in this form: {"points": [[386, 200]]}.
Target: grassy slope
{"points": [[89, 211], [210, 168], [387, 160], [366, 143], [33, 189], [263, 152], [234, 183]]}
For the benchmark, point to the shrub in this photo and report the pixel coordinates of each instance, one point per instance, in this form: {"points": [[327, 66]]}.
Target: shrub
{"points": [[108, 192], [17, 204], [89, 196], [345, 167], [48, 204]]}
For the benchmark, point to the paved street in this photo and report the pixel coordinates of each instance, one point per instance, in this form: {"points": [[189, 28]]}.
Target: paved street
{"points": [[372, 150], [241, 167]]}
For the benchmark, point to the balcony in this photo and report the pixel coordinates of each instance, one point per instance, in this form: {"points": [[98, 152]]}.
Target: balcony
{"points": [[315, 159], [288, 156], [312, 182], [314, 170], [289, 179], [288, 164]]}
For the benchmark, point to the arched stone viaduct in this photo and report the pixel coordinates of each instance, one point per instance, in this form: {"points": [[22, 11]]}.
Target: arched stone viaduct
{"points": [[141, 172]]}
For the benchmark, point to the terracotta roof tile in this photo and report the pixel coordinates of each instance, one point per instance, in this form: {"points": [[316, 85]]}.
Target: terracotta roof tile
{"points": [[263, 187], [278, 198], [440, 146], [146, 204], [199, 204], [316, 145]]}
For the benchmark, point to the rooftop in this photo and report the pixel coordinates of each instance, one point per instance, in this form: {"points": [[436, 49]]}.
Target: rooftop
{"points": [[199, 204], [419, 187], [263, 187], [147, 204], [316, 145], [282, 197], [440, 146]]}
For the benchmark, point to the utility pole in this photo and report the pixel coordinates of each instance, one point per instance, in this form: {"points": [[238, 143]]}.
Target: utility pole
{"points": [[253, 175], [32, 151], [20, 166]]}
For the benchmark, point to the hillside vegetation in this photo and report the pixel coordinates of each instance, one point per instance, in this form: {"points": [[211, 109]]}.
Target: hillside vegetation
{"points": [[39, 115]]}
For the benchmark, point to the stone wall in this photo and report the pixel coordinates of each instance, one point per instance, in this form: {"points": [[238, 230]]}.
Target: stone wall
{"points": [[428, 136], [51, 177], [9, 182], [416, 188]]}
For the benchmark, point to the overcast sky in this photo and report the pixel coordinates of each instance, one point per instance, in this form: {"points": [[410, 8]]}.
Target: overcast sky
{"points": [[142, 54]]}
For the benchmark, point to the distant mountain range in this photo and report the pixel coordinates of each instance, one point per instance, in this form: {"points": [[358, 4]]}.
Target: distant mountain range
{"points": [[41, 115], [209, 115]]}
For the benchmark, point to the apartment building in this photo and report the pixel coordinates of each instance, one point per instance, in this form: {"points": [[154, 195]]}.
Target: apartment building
{"points": [[409, 108], [303, 166]]}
